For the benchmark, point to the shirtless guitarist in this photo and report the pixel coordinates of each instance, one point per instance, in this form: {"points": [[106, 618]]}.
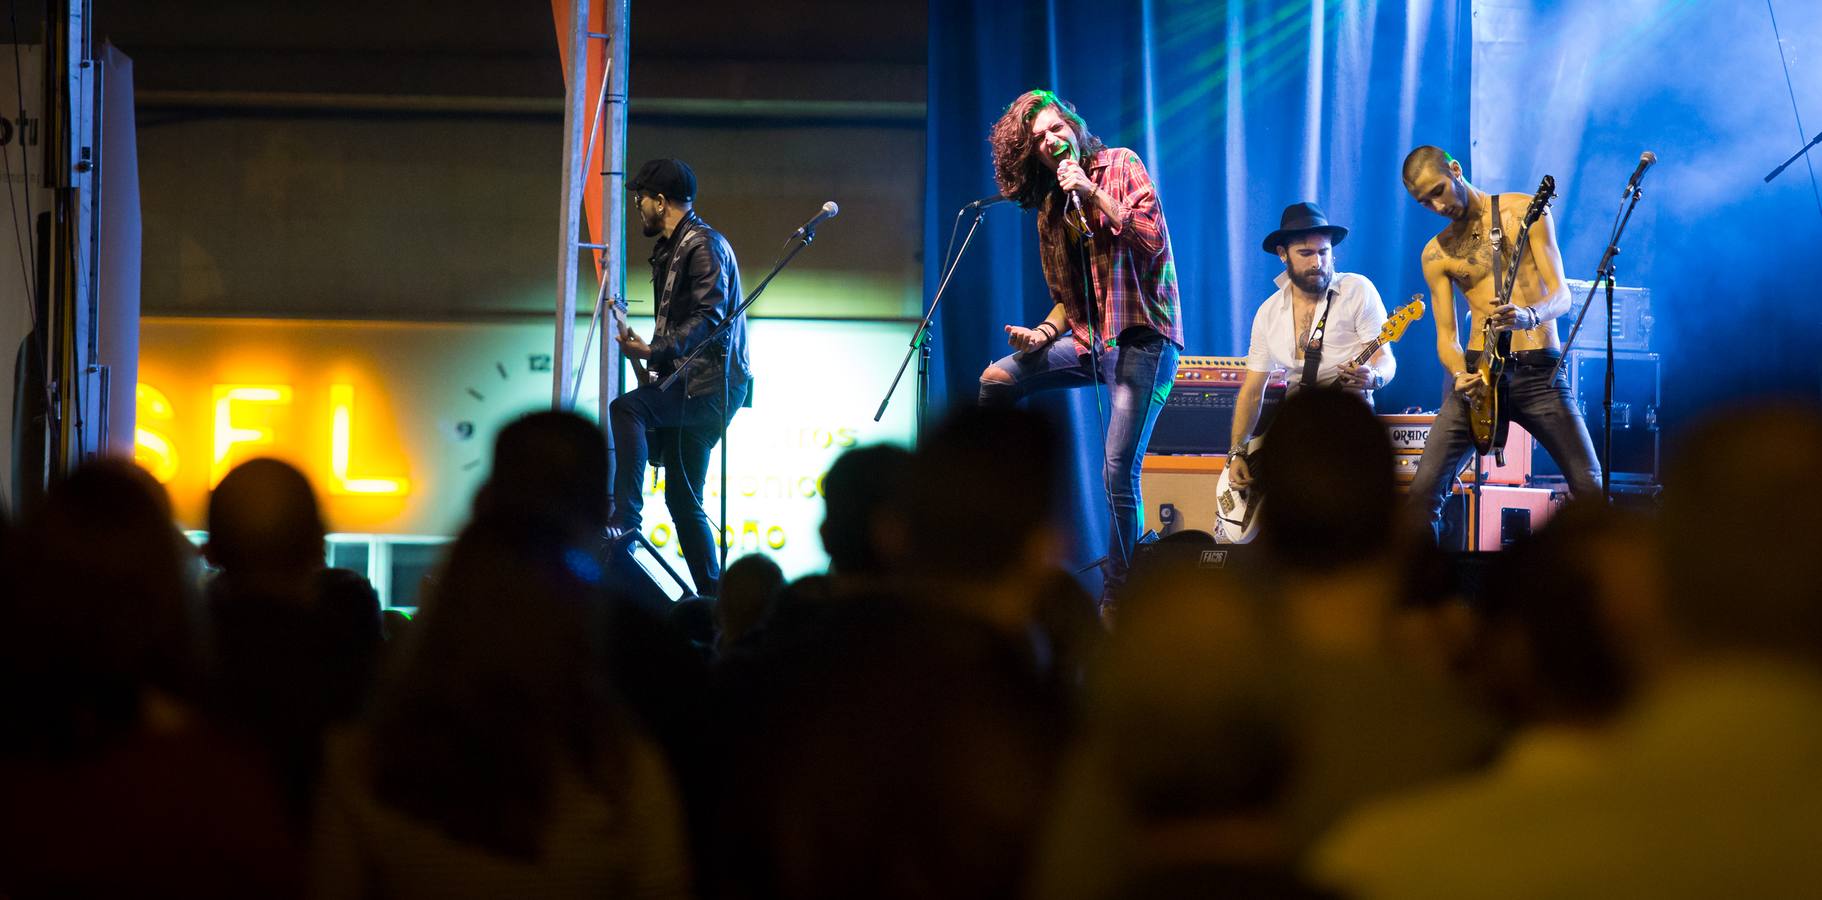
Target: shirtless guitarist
{"points": [[1479, 240]]}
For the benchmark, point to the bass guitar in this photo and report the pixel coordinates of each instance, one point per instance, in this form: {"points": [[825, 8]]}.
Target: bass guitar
{"points": [[1485, 417], [1237, 509]]}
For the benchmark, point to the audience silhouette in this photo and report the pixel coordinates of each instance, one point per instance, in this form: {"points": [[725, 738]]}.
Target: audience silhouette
{"points": [[1626, 703]]}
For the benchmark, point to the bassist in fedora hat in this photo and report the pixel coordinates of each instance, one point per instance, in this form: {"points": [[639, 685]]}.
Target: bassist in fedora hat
{"points": [[1313, 326]]}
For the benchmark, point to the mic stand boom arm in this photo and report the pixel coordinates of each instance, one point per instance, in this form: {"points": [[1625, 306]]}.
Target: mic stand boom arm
{"points": [[727, 323], [721, 332], [1794, 157]]}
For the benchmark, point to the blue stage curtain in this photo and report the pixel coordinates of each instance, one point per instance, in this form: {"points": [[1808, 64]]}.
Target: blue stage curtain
{"points": [[1579, 90], [1238, 109]]}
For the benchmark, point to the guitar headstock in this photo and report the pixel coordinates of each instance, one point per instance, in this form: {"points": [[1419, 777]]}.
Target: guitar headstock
{"points": [[1546, 191], [1397, 322]]}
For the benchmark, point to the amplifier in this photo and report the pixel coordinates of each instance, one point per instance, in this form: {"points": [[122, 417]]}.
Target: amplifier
{"points": [[1198, 416], [1631, 317], [1408, 431], [1509, 514], [1221, 370], [1411, 431], [1636, 394], [1196, 419]]}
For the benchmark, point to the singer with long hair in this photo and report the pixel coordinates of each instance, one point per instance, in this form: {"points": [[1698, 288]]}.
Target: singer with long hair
{"points": [[1115, 317]]}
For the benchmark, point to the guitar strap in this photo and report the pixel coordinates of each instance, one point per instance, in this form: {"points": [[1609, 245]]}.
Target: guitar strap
{"points": [[1498, 237], [679, 253], [1312, 351]]}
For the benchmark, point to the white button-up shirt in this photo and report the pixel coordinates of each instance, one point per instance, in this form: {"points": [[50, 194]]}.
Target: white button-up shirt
{"points": [[1354, 319]]}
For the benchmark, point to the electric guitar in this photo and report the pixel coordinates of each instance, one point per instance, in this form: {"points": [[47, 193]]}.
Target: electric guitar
{"points": [[1237, 509], [1484, 415], [641, 377]]}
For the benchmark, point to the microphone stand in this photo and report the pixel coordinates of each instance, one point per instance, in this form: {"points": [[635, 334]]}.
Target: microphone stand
{"points": [[723, 334], [1603, 273], [920, 339]]}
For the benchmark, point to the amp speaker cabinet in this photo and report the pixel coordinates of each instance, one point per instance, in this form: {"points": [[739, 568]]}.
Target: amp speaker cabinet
{"points": [[1196, 419], [1636, 395], [1179, 492]]}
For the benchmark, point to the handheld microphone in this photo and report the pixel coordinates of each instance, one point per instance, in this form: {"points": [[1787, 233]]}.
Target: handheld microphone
{"points": [[985, 202], [1646, 160], [1075, 202], [829, 211]]}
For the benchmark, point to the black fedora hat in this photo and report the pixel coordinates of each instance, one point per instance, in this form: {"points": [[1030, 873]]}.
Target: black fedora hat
{"points": [[1301, 218]]}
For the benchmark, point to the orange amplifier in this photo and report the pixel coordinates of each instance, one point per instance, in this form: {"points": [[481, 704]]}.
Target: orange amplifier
{"points": [[1410, 431]]}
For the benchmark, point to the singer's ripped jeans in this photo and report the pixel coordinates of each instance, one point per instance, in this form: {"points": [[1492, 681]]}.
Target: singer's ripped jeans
{"points": [[1543, 407], [1138, 373]]}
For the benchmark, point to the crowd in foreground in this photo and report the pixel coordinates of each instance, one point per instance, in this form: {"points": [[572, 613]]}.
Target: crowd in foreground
{"points": [[1622, 706]]}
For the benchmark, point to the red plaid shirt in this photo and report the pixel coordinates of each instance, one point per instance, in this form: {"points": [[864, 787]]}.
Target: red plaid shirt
{"points": [[1135, 275]]}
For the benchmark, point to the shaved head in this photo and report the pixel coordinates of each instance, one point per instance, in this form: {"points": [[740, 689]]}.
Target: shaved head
{"points": [[1422, 160]]}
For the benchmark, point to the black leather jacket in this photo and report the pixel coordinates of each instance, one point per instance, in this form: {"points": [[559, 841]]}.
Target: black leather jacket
{"points": [[695, 284]]}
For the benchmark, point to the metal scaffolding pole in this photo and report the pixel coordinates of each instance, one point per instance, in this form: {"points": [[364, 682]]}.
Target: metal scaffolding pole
{"points": [[569, 219], [604, 118], [613, 188]]}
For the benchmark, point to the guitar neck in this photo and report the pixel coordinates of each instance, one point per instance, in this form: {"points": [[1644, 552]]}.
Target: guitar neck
{"points": [[1372, 347], [640, 374]]}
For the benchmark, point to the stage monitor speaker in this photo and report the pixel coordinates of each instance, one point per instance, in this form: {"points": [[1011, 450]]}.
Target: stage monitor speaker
{"points": [[1208, 560], [635, 569]]}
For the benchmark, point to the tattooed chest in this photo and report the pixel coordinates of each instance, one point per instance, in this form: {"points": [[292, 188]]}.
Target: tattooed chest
{"points": [[1467, 258]]}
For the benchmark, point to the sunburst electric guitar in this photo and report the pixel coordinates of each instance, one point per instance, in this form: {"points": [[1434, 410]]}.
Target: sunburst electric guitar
{"points": [[1237, 509], [1485, 417]]}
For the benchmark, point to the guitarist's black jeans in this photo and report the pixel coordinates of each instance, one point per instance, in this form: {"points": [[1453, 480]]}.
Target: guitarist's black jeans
{"points": [[683, 430], [1543, 407]]}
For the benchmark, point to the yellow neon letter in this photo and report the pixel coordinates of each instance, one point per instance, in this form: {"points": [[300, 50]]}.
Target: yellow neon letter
{"points": [[153, 450], [227, 434], [341, 404]]}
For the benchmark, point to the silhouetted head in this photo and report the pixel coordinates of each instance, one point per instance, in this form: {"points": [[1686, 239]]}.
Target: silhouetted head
{"points": [[1742, 512], [978, 501], [1325, 471], [1547, 650], [97, 609], [263, 516], [748, 589], [857, 487], [549, 474]]}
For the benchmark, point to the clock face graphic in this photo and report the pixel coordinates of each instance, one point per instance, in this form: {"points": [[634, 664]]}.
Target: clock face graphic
{"points": [[511, 385]]}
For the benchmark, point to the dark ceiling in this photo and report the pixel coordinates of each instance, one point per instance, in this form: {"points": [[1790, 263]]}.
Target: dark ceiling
{"points": [[490, 47]]}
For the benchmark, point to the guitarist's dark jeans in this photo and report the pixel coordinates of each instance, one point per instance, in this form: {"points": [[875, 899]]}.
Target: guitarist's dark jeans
{"points": [[686, 429], [1138, 372], [1545, 408]]}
